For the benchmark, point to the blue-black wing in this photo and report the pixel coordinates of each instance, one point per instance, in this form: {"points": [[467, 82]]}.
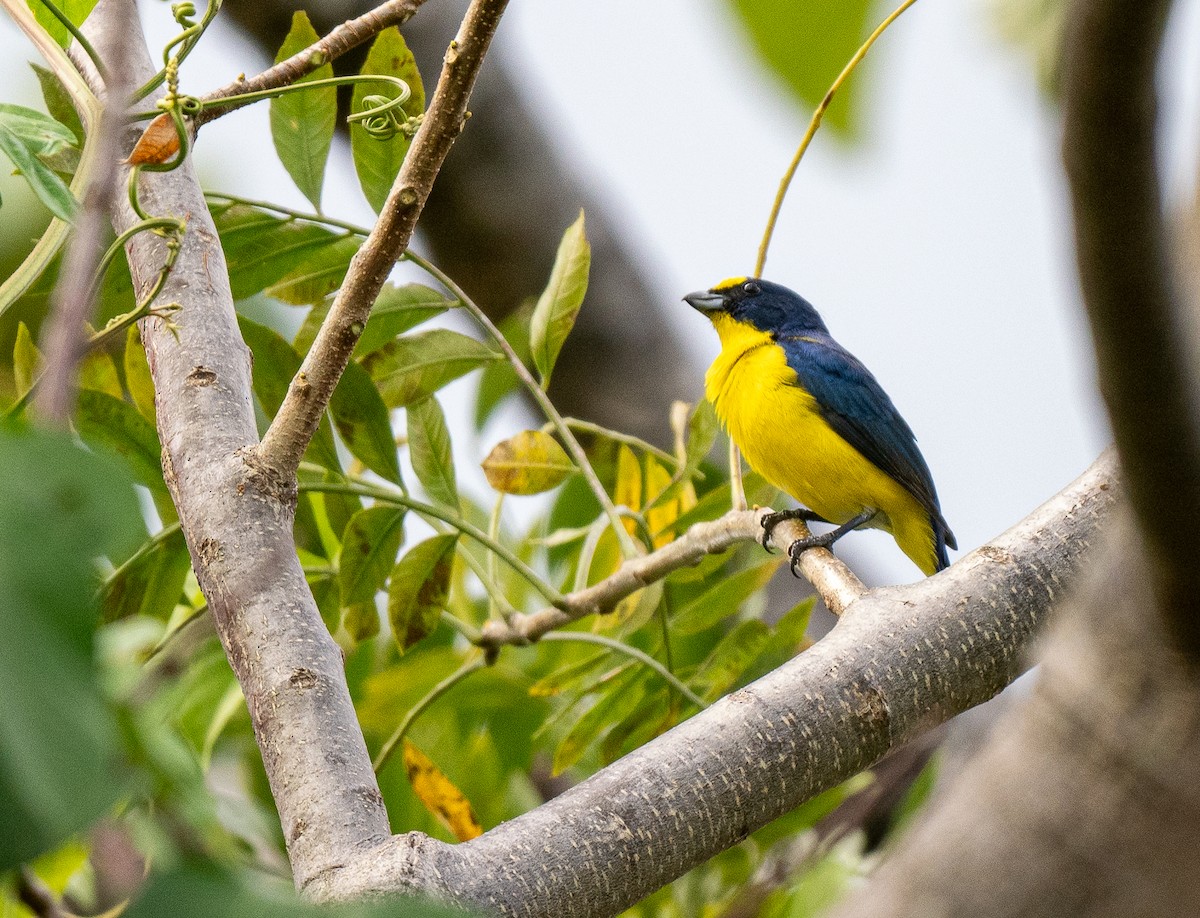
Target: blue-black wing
{"points": [[854, 404]]}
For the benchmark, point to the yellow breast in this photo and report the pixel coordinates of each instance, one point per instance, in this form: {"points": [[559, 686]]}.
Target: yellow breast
{"points": [[777, 427]]}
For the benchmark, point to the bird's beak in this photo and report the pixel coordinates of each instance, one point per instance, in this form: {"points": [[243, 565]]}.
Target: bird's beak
{"points": [[704, 301]]}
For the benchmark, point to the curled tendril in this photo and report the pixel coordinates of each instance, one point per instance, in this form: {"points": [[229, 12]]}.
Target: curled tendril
{"points": [[183, 13], [383, 118]]}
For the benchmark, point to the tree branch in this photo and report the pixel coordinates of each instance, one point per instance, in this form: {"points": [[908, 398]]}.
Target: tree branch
{"points": [[65, 337], [829, 576], [898, 662], [297, 419], [238, 519], [1144, 345], [348, 35]]}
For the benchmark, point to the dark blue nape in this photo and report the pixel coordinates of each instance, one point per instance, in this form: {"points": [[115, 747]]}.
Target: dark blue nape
{"points": [[774, 308]]}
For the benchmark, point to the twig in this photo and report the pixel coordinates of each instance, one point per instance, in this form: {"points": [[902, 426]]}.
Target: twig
{"points": [[813, 125], [65, 338], [37, 896], [419, 708], [348, 35], [831, 578], [308, 395], [645, 659]]}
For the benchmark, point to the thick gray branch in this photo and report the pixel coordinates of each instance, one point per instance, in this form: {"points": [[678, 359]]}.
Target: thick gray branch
{"points": [[898, 662], [1143, 349], [1085, 803], [237, 518]]}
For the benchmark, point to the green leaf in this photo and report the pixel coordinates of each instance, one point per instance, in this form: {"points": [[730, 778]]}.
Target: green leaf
{"points": [[137, 375], [702, 434], [557, 307], [319, 275], [618, 701], [115, 424], [362, 419], [98, 371], [27, 360], [302, 123], [75, 10], [807, 45], [58, 101], [361, 621], [723, 600], [788, 633], [529, 463], [63, 506], [378, 161], [26, 135], [732, 656], [398, 309], [275, 365], [328, 595], [415, 366], [369, 547], [429, 450], [262, 249], [151, 582], [420, 587]]}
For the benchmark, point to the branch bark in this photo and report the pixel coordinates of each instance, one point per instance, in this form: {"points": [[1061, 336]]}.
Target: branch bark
{"points": [[900, 661], [1144, 346], [237, 518], [284, 443], [349, 34]]}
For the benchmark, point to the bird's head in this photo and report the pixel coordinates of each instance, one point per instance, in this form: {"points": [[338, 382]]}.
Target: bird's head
{"points": [[766, 306]]}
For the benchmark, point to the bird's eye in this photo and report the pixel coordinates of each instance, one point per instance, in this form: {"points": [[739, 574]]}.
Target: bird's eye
{"points": [[751, 289]]}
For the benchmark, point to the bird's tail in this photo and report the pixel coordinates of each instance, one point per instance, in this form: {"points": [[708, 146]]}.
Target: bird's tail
{"points": [[943, 538]]}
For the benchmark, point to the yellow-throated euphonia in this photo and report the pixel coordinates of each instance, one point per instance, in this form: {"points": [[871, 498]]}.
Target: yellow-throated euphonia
{"points": [[812, 420]]}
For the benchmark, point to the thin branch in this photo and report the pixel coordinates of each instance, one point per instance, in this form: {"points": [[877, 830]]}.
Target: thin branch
{"points": [[832, 579], [65, 338], [813, 125], [1145, 346], [309, 393], [348, 35]]}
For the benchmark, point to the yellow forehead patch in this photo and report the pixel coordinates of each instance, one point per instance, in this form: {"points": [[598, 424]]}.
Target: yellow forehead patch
{"points": [[730, 282]]}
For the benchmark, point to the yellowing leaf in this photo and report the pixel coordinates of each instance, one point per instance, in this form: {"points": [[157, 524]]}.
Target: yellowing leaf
{"points": [[628, 489], [529, 463], [158, 143], [559, 304], [439, 795]]}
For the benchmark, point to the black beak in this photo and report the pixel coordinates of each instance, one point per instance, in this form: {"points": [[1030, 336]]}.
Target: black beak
{"points": [[704, 301]]}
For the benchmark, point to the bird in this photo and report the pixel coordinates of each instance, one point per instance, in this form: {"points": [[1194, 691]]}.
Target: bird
{"points": [[812, 420]]}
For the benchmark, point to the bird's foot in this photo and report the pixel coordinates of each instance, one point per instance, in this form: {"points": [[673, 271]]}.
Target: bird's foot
{"points": [[771, 520], [825, 539]]}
